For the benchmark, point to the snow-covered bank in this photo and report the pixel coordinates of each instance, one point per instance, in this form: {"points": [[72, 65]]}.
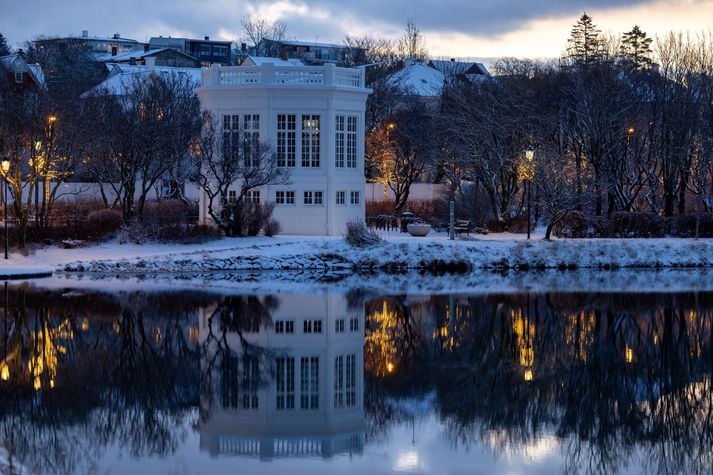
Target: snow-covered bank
{"points": [[20, 272], [402, 253]]}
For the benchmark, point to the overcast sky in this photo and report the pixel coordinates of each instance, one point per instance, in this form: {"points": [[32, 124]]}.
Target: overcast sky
{"points": [[463, 28]]}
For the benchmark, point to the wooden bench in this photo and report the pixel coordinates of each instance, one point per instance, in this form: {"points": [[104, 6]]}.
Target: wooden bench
{"points": [[462, 226]]}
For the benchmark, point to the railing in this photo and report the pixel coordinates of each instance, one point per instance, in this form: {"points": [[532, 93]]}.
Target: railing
{"points": [[269, 74]]}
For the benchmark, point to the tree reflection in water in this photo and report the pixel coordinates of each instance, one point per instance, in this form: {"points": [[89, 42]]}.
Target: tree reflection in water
{"points": [[608, 380], [607, 374]]}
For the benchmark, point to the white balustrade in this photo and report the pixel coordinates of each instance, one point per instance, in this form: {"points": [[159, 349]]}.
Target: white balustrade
{"points": [[269, 74]]}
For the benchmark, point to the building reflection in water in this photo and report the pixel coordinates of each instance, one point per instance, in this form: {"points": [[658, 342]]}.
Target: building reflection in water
{"points": [[285, 377]]}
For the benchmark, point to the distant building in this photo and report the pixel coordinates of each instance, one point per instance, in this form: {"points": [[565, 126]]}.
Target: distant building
{"points": [[260, 60], [206, 51], [103, 45], [467, 69], [122, 77], [157, 57], [312, 53], [22, 75]]}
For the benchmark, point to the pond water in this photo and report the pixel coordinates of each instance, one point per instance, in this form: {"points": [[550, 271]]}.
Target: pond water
{"points": [[149, 379]]}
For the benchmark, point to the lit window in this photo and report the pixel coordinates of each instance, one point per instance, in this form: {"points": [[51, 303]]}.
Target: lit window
{"points": [[310, 141]]}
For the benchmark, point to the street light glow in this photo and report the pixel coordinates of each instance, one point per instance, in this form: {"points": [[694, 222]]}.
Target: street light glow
{"points": [[5, 166]]}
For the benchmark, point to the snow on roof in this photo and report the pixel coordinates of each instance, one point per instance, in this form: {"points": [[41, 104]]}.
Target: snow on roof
{"points": [[459, 67], [123, 77], [314, 43], [419, 79], [34, 69], [260, 60], [134, 54]]}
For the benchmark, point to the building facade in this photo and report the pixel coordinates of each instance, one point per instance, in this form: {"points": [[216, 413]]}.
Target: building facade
{"points": [[313, 117], [206, 51], [287, 386], [98, 44]]}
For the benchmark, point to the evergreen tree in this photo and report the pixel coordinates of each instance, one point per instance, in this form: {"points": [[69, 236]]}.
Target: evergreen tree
{"points": [[585, 43], [4, 48], [636, 48]]}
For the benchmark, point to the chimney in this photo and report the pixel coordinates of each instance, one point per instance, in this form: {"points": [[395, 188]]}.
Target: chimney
{"points": [[453, 60], [146, 48], [117, 36], [85, 33], [113, 50], [206, 38], [283, 54]]}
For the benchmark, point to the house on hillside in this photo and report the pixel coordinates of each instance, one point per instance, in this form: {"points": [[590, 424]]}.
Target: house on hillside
{"points": [[313, 116], [22, 75], [98, 44], [122, 77], [465, 69], [206, 51], [156, 57], [426, 79], [309, 52]]}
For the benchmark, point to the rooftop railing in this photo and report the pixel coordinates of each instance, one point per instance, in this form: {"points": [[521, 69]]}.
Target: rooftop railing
{"points": [[271, 75]]}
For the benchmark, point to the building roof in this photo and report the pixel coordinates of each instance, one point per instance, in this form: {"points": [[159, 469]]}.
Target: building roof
{"points": [[260, 60], [419, 79], [177, 40], [88, 38], [123, 76], [308, 43], [127, 55], [459, 67], [34, 69]]}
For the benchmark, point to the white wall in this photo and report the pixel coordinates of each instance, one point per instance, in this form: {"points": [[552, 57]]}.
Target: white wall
{"points": [[419, 191]]}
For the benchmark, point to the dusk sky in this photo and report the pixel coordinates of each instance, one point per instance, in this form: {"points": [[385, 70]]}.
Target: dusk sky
{"points": [[462, 28]]}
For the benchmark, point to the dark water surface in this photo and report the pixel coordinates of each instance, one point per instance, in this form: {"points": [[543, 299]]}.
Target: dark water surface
{"points": [[199, 382]]}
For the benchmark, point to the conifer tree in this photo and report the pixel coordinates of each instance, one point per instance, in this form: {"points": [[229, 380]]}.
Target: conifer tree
{"points": [[636, 48], [4, 48], [585, 43]]}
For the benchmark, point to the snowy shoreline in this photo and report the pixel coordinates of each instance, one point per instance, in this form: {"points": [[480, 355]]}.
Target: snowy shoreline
{"points": [[401, 254]]}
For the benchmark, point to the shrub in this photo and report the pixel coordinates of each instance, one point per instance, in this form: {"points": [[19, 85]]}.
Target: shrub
{"points": [[693, 225], [514, 224], [102, 223], [247, 219], [272, 227], [358, 235], [574, 225], [624, 224]]}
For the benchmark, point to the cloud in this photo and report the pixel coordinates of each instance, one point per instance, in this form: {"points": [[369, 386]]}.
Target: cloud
{"points": [[452, 27]]}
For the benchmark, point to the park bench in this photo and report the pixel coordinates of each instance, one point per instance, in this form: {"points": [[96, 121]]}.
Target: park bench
{"points": [[462, 226]]}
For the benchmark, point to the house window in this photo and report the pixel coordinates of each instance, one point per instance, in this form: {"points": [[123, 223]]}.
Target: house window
{"points": [[285, 197], [345, 381], [353, 324], [341, 197], [231, 135], [285, 326], [339, 326], [232, 196], [354, 197], [220, 50], [229, 382], [205, 50], [312, 326], [252, 196], [345, 139], [19, 77], [250, 382], [285, 383], [309, 382], [286, 140], [251, 139], [313, 198], [310, 141]]}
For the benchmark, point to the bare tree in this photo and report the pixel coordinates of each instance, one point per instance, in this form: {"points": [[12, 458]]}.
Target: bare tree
{"points": [[256, 29], [412, 44], [228, 161]]}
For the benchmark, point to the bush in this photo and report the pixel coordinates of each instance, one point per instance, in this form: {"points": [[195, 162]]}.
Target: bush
{"points": [[624, 224], [358, 235], [693, 225], [102, 223], [514, 224], [247, 219], [272, 227], [574, 225]]}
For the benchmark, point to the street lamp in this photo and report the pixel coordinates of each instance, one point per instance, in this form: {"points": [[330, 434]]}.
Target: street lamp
{"points": [[529, 156], [5, 170]]}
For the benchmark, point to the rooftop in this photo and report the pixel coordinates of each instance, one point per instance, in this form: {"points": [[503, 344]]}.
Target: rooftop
{"points": [[269, 74], [260, 60]]}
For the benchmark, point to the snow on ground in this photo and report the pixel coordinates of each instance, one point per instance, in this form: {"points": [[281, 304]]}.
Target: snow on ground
{"points": [[10, 466], [398, 252]]}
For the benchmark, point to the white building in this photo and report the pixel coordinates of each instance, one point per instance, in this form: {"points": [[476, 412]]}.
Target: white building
{"points": [[313, 117], [292, 386]]}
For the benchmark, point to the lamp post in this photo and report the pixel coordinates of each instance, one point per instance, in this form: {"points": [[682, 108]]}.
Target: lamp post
{"points": [[5, 170], [389, 127], [529, 155]]}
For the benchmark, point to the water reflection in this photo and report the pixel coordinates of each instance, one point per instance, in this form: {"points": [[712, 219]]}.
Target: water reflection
{"points": [[201, 382]]}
